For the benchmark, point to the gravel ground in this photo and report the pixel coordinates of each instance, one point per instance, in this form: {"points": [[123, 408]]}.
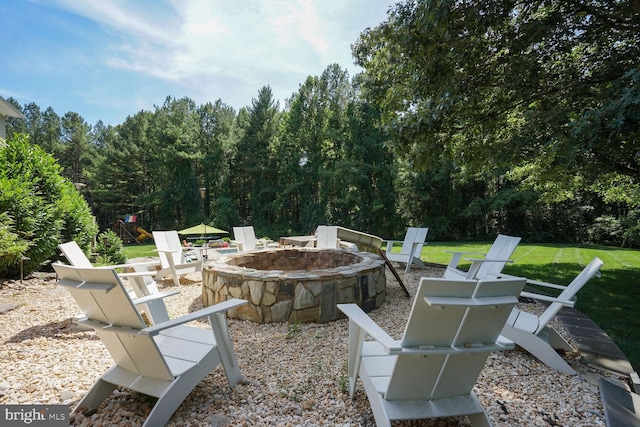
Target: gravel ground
{"points": [[295, 374]]}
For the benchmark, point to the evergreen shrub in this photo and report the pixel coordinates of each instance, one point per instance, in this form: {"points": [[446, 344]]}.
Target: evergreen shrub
{"points": [[39, 208]]}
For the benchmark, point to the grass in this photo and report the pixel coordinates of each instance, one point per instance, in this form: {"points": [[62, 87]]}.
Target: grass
{"points": [[612, 301], [142, 250]]}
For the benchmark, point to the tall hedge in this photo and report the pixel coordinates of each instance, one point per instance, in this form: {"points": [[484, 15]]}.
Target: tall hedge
{"points": [[39, 208]]}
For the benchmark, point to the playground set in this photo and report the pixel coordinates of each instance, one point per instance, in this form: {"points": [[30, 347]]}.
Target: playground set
{"points": [[129, 231]]}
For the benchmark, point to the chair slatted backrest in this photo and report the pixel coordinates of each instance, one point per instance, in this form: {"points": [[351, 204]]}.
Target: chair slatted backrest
{"points": [[481, 325], [173, 240], [472, 317], [502, 249], [414, 235], [110, 311], [250, 237], [74, 254], [69, 278], [238, 235], [77, 258], [570, 291], [247, 236], [327, 237], [165, 242]]}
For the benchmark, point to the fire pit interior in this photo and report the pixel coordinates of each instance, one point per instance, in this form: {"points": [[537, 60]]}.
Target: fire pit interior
{"points": [[295, 284]]}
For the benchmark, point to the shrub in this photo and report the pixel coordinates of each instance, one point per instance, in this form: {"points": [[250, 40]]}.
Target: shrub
{"points": [[631, 229], [110, 249], [41, 207], [606, 230], [11, 246]]}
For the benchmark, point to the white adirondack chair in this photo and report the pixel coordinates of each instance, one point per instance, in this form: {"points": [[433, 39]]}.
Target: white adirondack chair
{"points": [[411, 248], [488, 267], [430, 372], [166, 360], [327, 237], [534, 334], [140, 280], [172, 257], [245, 239]]}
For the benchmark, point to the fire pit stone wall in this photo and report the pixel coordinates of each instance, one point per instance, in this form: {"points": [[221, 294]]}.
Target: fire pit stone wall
{"points": [[295, 284]]}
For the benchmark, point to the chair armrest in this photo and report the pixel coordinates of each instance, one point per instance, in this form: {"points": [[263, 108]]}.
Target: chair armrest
{"points": [[263, 242], [239, 245], [487, 260], [476, 263], [471, 301], [138, 273], [205, 312], [169, 251], [358, 317], [195, 248], [153, 297], [567, 303], [499, 345], [457, 255], [132, 265], [503, 276], [139, 264], [545, 284]]}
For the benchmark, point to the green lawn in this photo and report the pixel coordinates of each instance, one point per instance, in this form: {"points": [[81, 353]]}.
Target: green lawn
{"points": [[142, 250], [612, 301]]}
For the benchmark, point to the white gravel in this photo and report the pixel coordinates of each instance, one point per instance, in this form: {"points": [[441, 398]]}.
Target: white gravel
{"points": [[295, 373]]}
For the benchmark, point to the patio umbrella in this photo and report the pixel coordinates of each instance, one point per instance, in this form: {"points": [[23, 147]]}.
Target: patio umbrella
{"points": [[202, 229]]}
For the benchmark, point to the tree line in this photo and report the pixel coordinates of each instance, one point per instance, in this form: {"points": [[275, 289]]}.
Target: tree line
{"points": [[523, 122]]}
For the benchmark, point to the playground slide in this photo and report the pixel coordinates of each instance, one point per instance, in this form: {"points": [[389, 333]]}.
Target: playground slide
{"points": [[143, 234]]}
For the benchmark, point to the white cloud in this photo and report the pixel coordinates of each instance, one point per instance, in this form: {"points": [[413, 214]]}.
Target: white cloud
{"points": [[203, 46], [188, 35], [151, 22]]}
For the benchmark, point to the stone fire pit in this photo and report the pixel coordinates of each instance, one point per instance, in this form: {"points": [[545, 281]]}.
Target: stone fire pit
{"points": [[295, 284]]}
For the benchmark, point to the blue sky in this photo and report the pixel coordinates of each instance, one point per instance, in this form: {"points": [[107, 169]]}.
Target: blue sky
{"points": [[108, 59]]}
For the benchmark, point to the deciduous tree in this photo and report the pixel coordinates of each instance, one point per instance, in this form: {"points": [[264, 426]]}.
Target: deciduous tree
{"points": [[548, 90]]}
